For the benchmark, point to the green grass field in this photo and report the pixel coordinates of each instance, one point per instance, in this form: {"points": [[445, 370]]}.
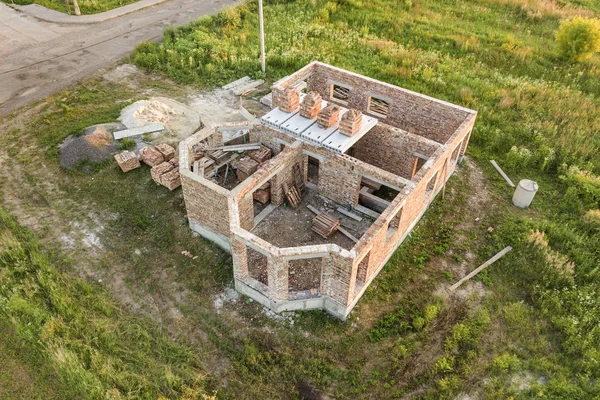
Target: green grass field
{"points": [[527, 327]]}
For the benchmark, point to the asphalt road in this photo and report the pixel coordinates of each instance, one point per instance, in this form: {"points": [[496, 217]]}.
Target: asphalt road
{"points": [[39, 58]]}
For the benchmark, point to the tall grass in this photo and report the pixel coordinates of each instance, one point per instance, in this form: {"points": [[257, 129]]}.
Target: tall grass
{"points": [[97, 349]]}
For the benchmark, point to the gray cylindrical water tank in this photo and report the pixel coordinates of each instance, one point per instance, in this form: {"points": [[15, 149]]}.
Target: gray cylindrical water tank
{"points": [[524, 193]]}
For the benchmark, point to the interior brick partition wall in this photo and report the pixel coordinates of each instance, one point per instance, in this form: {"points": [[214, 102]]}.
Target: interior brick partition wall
{"points": [[410, 111], [392, 149]]}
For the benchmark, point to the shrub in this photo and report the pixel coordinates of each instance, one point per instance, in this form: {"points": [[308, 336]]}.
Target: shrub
{"points": [[578, 38], [506, 363]]}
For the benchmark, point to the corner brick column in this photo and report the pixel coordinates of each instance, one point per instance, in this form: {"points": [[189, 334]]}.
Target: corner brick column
{"points": [[277, 275], [239, 254]]}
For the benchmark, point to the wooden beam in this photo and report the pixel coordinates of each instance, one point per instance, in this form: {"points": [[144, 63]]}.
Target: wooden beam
{"points": [[347, 234], [349, 214], [506, 178], [481, 267], [414, 170], [364, 210], [238, 147]]}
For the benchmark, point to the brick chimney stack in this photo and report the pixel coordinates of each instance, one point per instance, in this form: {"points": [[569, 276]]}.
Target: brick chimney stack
{"points": [[351, 122], [328, 116], [287, 100], [311, 105]]}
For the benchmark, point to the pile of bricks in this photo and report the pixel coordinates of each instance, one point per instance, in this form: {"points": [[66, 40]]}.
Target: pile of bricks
{"points": [[328, 116], [261, 155], [151, 156], [351, 122], [288, 100], [167, 151], [246, 166], [263, 193], [311, 105], [127, 160], [167, 174]]}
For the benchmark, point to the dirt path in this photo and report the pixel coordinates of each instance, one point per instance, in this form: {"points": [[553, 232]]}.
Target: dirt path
{"points": [[40, 58]]}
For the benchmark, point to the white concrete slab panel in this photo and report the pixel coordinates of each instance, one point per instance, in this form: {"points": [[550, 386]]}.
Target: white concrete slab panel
{"points": [[340, 143]]}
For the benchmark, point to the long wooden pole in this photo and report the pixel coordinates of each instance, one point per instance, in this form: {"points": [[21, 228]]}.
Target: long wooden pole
{"points": [[262, 35], [481, 267], [68, 7], [414, 170]]}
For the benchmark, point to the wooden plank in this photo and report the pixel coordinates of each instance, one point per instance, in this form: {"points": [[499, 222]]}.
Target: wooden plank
{"points": [[414, 170], [366, 211], [481, 267], [349, 214], [347, 234], [506, 178], [140, 130], [371, 184]]}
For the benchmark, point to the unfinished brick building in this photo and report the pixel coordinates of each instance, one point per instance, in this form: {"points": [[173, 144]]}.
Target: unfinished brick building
{"points": [[362, 155]]}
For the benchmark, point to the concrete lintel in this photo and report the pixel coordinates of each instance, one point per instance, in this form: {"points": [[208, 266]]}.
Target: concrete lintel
{"points": [[384, 183], [204, 182], [313, 155], [302, 252], [256, 243]]}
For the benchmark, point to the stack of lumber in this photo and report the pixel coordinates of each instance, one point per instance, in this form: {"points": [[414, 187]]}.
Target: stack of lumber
{"points": [[246, 166], [171, 180], [288, 100], [127, 160], [219, 156], [151, 156], [351, 122], [311, 105], [263, 193], [325, 225], [261, 155], [328, 116], [204, 166], [159, 170], [167, 151], [292, 195]]}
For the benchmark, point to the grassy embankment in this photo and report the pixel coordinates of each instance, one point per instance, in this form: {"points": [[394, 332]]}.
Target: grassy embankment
{"points": [[531, 328], [86, 6]]}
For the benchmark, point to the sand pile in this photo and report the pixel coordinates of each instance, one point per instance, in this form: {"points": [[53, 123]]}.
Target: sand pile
{"points": [[155, 111]]}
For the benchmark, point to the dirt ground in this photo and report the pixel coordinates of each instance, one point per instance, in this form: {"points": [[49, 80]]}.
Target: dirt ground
{"points": [[287, 227]]}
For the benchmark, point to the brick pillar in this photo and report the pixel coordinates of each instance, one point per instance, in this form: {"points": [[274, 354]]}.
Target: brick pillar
{"points": [[277, 270], [239, 254], [336, 280]]}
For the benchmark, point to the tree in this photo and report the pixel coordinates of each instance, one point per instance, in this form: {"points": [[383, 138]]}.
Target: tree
{"points": [[578, 38]]}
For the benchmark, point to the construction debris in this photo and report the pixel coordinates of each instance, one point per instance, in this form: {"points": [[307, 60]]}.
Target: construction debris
{"points": [[243, 85], [506, 178], [260, 155], [481, 267], [127, 160], [325, 225], [167, 151], [151, 156]]}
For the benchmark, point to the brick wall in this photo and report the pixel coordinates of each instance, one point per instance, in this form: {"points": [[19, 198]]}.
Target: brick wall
{"points": [[205, 206], [407, 110], [391, 149]]}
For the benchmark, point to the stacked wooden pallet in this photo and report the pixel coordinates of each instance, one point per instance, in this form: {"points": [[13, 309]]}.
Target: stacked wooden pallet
{"points": [[325, 225], [292, 195]]}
